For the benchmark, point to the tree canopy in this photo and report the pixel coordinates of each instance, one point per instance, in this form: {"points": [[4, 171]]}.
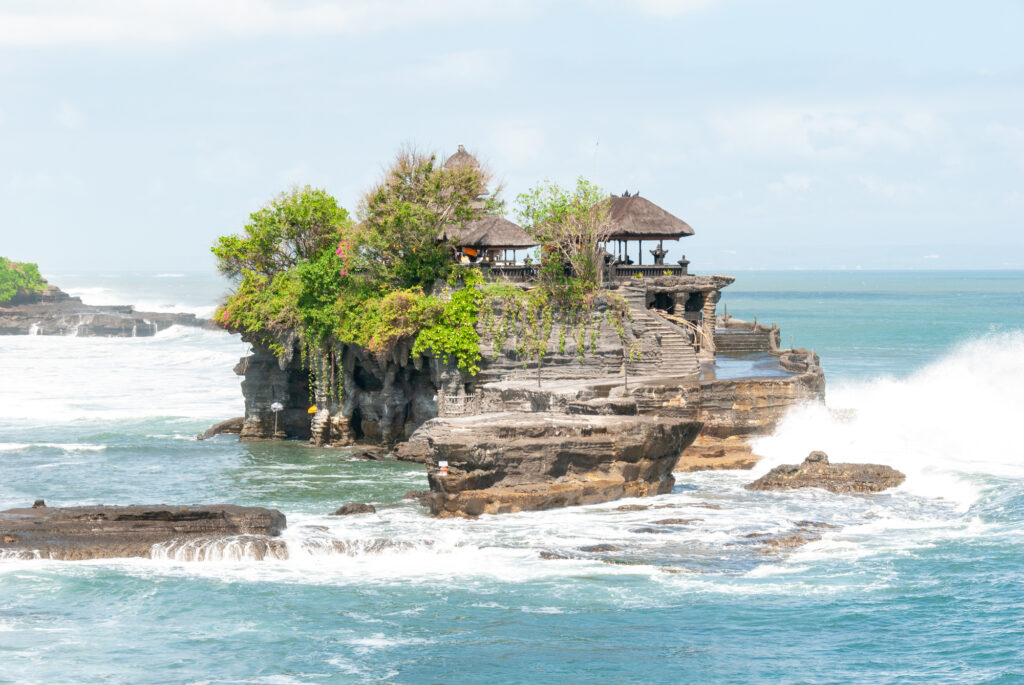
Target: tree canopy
{"points": [[571, 225], [294, 227], [404, 216], [18, 277]]}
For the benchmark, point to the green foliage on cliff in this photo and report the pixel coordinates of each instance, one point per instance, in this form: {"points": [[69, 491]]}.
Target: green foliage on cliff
{"points": [[18, 277], [302, 268]]}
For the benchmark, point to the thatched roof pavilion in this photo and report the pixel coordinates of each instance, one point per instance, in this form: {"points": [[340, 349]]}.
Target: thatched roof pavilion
{"points": [[461, 159], [495, 232], [637, 218]]}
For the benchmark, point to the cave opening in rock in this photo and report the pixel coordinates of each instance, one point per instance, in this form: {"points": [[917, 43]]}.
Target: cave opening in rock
{"points": [[664, 302], [366, 380]]}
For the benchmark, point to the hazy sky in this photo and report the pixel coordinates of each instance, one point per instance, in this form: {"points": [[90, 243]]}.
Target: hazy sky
{"points": [[789, 134]]}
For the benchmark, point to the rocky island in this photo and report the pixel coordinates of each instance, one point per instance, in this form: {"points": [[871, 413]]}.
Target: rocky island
{"points": [[102, 532], [31, 306], [580, 377]]}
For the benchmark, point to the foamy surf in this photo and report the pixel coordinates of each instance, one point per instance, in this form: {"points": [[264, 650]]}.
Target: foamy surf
{"points": [[943, 425]]}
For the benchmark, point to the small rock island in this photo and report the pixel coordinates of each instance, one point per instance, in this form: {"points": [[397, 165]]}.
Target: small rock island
{"points": [[31, 306], [579, 376]]}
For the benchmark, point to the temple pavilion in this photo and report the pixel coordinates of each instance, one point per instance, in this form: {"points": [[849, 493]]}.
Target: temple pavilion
{"points": [[636, 218]]}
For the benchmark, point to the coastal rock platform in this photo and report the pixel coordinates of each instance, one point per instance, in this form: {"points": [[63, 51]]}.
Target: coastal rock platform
{"points": [[54, 312], [518, 461], [817, 472], [103, 532]]}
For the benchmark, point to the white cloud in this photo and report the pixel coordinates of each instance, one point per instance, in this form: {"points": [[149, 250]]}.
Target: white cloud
{"points": [[931, 256], [821, 131], [469, 68], [791, 183], [1008, 137], [34, 181], [672, 8], [68, 116], [878, 186], [518, 144], [106, 22]]}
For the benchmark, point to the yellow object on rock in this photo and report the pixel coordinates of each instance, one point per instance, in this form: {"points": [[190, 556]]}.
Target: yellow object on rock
{"points": [[311, 410]]}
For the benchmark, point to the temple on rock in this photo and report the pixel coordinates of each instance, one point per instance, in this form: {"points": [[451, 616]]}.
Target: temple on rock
{"points": [[655, 349]]}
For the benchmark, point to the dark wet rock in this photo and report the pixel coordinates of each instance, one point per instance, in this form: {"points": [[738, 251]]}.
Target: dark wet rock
{"points": [[674, 522], [817, 472], [633, 507], [705, 505], [815, 524], [355, 508], [647, 529], [54, 312], [786, 541], [507, 462], [552, 555], [229, 427], [101, 532], [603, 547], [39, 504]]}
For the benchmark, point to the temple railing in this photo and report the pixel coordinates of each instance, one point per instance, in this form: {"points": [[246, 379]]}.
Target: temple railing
{"points": [[527, 273], [517, 273], [621, 272]]}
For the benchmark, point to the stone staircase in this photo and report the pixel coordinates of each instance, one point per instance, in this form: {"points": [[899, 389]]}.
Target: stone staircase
{"points": [[733, 343], [666, 350]]}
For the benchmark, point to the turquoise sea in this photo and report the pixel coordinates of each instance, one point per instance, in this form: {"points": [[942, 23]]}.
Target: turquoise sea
{"points": [[923, 584]]}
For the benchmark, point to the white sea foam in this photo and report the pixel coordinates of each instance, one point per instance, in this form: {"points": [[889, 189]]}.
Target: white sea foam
{"points": [[942, 426], [66, 446], [179, 372]]}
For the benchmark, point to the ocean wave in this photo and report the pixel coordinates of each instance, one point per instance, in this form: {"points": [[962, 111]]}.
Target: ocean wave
{"points": [[943, 426], [66, 446]]}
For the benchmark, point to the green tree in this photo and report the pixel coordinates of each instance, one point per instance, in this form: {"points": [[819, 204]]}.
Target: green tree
{"points": [[294, 227], [406, 216], [571, 226], [18, 277]]}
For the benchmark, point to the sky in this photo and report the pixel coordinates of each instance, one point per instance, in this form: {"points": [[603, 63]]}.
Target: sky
{"points": [[791, 134]]}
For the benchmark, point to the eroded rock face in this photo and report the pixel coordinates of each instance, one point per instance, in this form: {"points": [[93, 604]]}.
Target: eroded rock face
{"points": [[508, 462], [54, 312], [102, 532], [817, 472]]}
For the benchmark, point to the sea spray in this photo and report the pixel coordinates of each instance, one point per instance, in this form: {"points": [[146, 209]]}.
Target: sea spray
{"points": [[944, 424]]}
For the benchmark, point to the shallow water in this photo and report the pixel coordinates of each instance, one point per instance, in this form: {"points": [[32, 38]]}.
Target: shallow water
{"points": [[921, 584]]}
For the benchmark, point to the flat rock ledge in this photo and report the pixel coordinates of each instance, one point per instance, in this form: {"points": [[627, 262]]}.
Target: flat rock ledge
{"points": [[817, 472], [105, 532], [508, 462]]}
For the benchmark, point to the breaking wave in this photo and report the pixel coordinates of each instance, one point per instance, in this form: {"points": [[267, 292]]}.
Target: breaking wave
{"points": [[945, 426]]}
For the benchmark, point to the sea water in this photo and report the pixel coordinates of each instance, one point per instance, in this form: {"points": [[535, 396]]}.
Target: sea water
{"points": [[921, 584]]}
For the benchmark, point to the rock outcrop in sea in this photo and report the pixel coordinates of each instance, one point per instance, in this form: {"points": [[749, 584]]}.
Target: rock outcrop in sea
{"points": [[54, 312], [516, 461], [817, 472], [103, 532]]}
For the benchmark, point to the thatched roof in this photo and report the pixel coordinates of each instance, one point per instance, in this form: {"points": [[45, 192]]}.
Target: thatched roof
{"points": [[494, 232], [461, 159], [637, 218]]}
